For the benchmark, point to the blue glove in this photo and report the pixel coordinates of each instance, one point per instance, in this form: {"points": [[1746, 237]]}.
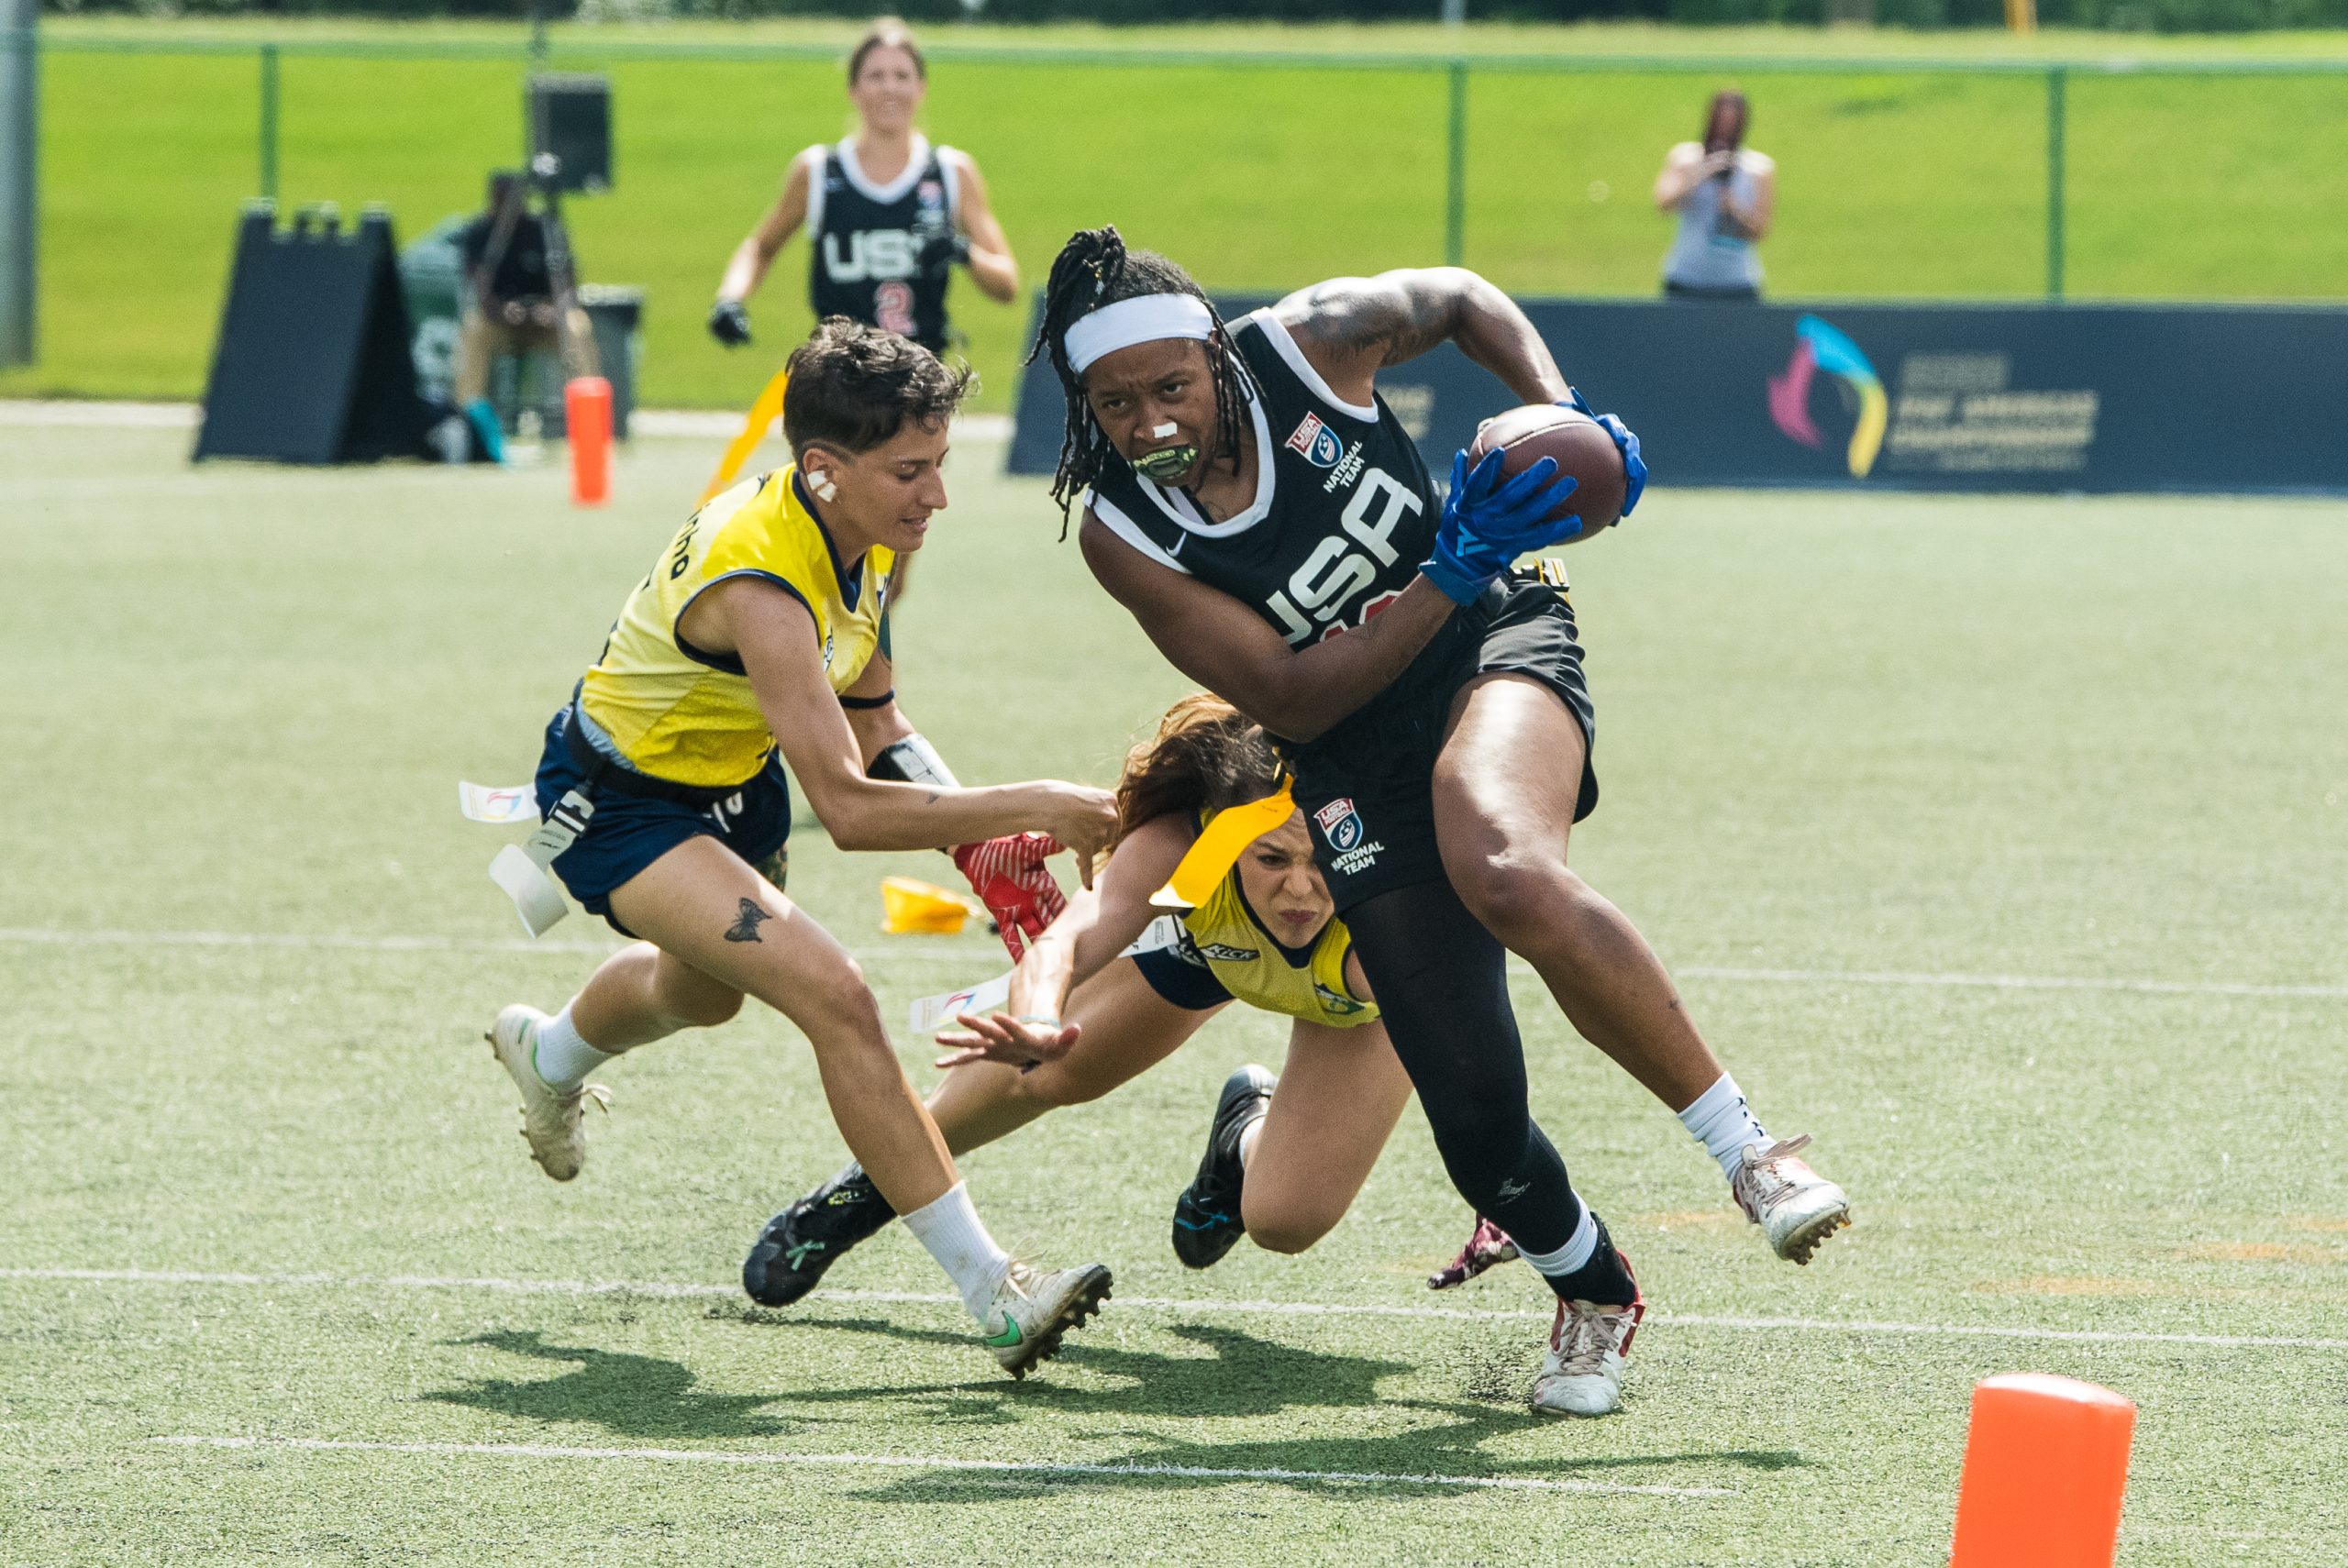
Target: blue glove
{"points": [[1490, 519], [1634, 472]]}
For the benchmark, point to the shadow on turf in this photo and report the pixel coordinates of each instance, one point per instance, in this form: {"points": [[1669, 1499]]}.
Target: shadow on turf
{"points": [[631, 1396], [1244, 1376]]}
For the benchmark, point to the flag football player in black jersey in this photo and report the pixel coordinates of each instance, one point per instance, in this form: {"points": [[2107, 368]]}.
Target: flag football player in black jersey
{"points": [[888, 216], [1262, 513]]}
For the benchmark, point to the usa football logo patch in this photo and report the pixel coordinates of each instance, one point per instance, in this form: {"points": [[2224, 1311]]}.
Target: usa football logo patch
{"points": [[1317, 442], [1340, 824]]}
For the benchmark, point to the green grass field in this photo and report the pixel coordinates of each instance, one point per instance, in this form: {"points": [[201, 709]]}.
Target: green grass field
{"points": [[1259, 178], [1998, 843]]}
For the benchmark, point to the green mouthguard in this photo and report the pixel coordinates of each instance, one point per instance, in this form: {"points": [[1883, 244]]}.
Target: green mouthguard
{"points": [[1170, 463]]}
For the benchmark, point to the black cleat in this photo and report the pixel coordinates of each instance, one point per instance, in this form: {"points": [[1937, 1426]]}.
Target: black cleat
{"points": [[798, 1244], [1207, 1221]]}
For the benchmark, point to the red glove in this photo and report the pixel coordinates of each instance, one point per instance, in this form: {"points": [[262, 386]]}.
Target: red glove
{"points": [[1010, 878]]}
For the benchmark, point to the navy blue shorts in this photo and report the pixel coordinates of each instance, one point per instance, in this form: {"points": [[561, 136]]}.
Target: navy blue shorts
{"points": [[1185, 982], [629, 833]]}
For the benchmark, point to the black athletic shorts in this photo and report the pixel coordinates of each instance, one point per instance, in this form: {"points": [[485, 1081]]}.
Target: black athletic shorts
{"points": [[1368, 787]]}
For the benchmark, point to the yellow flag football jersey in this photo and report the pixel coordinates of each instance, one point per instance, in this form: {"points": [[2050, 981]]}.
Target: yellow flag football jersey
{"points": [[1237, 951], [687, 714]]}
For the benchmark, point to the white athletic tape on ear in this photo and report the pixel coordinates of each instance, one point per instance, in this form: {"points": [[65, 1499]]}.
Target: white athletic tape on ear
{"points": [[821, 483], [1148, 318], [933, 1013]]}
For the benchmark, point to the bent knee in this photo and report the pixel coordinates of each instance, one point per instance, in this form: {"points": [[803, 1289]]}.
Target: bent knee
{"points": [[704, 1010], [1285, 1228], [1052, 1087], [1514, 895]]}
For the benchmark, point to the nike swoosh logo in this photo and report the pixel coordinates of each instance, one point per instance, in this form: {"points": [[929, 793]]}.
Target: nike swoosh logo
{"points": [[1008, 1336]]}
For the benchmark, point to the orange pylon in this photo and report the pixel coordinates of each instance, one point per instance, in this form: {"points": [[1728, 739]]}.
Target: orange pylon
{"points": [[2045, 1467], [587, 422]]}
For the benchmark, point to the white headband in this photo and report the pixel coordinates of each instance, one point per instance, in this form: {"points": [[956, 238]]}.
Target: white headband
{"points": [[1146, 318]]}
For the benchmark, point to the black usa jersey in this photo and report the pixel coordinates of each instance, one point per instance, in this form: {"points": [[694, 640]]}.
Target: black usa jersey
{"points": [[866, 238], [1343, 515]]}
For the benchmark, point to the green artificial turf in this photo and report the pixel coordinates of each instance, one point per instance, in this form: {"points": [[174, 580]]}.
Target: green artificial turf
{"points": [[1863, 755], [1908, 186]]}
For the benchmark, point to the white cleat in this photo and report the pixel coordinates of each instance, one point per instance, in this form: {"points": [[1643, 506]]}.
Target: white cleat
{"points": [[1033, 1306], [1795, 1206], [1582, 1375], [551, 1118]]}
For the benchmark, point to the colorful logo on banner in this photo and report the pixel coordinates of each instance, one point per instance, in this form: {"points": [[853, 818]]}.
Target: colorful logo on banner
{"points": [[1819, 346]]}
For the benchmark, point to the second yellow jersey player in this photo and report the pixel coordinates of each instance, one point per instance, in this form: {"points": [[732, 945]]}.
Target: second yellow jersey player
{"points": [[1115, 986]]}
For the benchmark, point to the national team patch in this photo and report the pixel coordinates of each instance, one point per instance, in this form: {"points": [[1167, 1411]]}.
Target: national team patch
{"points": [[1317, 442], [1340, 824]]}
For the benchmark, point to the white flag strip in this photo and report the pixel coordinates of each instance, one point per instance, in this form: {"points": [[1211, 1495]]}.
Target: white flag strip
{"points": [[931, 1012], [482, 804]]}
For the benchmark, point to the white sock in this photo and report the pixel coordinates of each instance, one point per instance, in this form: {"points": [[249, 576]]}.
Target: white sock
{"points": [[1578, 1249], [1724, 1124], [952, 1232], [1247, 1136], [562, 1057]]}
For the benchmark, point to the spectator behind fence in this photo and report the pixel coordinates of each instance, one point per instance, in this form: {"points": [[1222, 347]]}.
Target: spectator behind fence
{"points": [[511, 296], [1723, 192]]}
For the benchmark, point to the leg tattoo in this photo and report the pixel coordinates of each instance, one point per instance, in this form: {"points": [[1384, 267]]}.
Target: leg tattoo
{"points": [[746, 928]]}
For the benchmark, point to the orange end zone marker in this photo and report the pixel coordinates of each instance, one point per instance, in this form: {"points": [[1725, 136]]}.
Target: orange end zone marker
{"points": [[587, 419], [2045, 1467]]}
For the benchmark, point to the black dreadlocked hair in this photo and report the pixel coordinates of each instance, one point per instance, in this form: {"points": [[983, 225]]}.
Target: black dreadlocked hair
{"points": [[1094, 269]]}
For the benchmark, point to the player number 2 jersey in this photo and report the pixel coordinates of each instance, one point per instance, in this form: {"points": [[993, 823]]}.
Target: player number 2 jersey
{"points": [[867, 236], [688, 715]]}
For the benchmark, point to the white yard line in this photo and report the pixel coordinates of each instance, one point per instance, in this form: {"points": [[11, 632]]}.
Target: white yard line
{"points": [[1861, 1326], [2004, 982], [95, 414], [58, 936], [694, 424], [910, 1462]]}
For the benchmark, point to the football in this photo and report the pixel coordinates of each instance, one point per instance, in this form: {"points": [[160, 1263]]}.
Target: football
{"points": [[1524, 436]]}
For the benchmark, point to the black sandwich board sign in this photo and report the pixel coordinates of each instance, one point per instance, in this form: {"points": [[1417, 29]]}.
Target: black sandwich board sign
{"points": [[312, 364]]}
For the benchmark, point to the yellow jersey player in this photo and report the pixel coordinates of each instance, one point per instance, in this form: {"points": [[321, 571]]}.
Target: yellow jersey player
{"points": [[752, 642], [1114, 986]]}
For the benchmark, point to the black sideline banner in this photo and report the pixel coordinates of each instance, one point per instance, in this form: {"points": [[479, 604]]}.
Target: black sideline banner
{"points": [[1992, 397]]}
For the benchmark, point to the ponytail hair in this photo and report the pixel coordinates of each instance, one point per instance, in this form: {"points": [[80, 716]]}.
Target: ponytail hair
{"points": [[1094, 269], [1206, 756]]}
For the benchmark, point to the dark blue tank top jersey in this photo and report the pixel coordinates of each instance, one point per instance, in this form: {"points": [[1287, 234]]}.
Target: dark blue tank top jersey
{"points": [[1343, 512], [866, 238]]}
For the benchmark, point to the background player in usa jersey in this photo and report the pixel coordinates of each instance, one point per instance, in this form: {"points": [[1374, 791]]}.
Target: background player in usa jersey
{"points": [[1441, 743], [888, 216]]}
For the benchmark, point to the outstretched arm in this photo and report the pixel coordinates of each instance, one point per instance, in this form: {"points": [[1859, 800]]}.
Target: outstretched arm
{"points": [[774, 636], [1099, 924], [1217, 641], [1350, 328]]}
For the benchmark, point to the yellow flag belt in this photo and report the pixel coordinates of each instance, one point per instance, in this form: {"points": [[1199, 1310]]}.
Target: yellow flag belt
{"points": [[762, 415]]}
